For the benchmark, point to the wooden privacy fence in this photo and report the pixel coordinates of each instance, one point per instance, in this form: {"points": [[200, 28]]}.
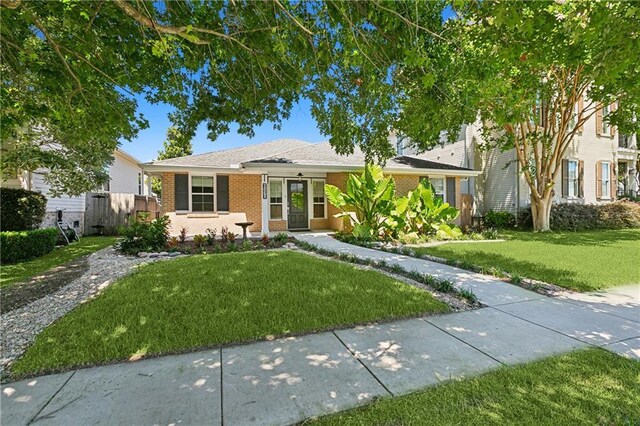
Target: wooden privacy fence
{"points": [[466, 209], [105, 213]]}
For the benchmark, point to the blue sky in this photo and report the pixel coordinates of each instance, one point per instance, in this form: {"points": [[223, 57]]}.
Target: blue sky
{"points": [[300, 125]]}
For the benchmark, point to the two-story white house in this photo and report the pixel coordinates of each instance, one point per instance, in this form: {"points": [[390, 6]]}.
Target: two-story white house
{"points": [[600, 165], [126, 175]]}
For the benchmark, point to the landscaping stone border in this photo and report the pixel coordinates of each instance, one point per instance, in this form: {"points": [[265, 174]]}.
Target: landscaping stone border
{"points": [[21, 326]]}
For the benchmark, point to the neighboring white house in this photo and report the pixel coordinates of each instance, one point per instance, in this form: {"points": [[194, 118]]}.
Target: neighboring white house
{"points": [[599, 165], [125, 176]]}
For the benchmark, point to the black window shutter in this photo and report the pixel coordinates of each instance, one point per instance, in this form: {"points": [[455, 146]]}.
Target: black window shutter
{"points": [[181, 182], [222, 186], [451, 191]]}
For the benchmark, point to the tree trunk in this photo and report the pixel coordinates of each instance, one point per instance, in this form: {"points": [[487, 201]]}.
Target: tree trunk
{"points": [[541, 214]]}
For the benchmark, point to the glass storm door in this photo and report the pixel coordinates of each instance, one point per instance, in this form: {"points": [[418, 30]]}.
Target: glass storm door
{"points": [[298, 211]]}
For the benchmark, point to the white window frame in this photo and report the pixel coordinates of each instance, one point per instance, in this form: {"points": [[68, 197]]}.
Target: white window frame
{"points": [[572, 180], [606, 127], [313, 201], [605, 178], [282, 198], [140, 183], [191, 193]]}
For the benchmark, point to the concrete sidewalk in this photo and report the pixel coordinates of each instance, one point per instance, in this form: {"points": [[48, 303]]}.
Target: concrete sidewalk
{"points": [[288, 380]]}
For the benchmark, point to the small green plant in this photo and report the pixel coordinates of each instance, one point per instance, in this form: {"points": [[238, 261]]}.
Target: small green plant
{"points": [[211, 235], [396, 269], [183, 234], [232, 246], [199, 240], [382, 264], [516, 279], [468, 295], [444, 286], [247, 246], [281, 237]]}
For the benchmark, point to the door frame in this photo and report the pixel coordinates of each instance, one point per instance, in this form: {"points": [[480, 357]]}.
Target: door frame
{"points": [[306, 188]]}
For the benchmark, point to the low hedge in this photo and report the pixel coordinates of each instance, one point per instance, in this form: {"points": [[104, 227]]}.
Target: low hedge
{"points": [[582, 217], [20, 209], [22, 245]]}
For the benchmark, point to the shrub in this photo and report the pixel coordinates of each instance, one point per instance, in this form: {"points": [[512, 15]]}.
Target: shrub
{"points": [[580, 217], [21, 210], [499, 219], [618, 215], [199, 240], [23, 245], [231, 237], [145, 236], [224, 234]]}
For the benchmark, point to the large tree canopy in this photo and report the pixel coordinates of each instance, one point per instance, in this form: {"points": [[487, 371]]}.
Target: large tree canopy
{"points": [[70, 70]]}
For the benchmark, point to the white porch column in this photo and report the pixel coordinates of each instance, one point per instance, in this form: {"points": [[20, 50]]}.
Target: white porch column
{"points": [[265, 204]]}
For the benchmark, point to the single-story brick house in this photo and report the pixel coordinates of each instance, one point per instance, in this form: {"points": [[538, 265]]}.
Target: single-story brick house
{"points": [[278, 185]]}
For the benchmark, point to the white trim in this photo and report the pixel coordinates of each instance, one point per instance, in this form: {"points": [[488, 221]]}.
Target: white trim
{"points": [[313, 203], [282, 196]]}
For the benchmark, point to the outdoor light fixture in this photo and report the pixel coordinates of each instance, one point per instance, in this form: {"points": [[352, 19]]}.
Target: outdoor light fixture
{"points": [[300, 176]]}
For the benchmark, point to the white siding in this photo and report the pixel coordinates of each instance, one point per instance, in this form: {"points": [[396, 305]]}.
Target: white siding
{"points": [[63, 202], [123, 175]]}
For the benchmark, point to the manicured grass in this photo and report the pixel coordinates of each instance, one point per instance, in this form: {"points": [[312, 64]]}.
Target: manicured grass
{"points": [[582, 261], [22, 271], [586, 387], [210, 300]]}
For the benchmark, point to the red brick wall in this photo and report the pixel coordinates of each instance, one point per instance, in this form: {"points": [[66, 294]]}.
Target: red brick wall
{"points": [[245, 196]]}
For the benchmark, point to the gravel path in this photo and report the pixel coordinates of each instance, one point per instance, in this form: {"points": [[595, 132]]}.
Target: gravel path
{"points": [[20, 327]]}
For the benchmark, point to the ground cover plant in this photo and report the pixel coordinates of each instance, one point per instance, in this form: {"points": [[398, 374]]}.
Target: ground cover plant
{"points": [[24, 270], [581, 261], [586, 387], [200, 301]]}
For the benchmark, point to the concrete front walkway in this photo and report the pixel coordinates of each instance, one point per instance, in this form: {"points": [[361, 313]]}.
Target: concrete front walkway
{"points": [[288, 380]]}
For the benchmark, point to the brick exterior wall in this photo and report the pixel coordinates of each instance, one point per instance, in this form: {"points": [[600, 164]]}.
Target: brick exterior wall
{"points": [[245, 196], [405, 183], [277, 225], [339, 180], [168, 193]]}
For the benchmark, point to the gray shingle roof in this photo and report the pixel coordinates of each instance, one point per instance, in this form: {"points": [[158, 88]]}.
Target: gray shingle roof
{"points": [[229, 157], [322, 154], [296, 152]]}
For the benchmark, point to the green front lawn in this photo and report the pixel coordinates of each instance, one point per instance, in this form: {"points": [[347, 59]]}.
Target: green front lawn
{"points": [[582, 261], [22, 271], [210, 300], [586, 387]]}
